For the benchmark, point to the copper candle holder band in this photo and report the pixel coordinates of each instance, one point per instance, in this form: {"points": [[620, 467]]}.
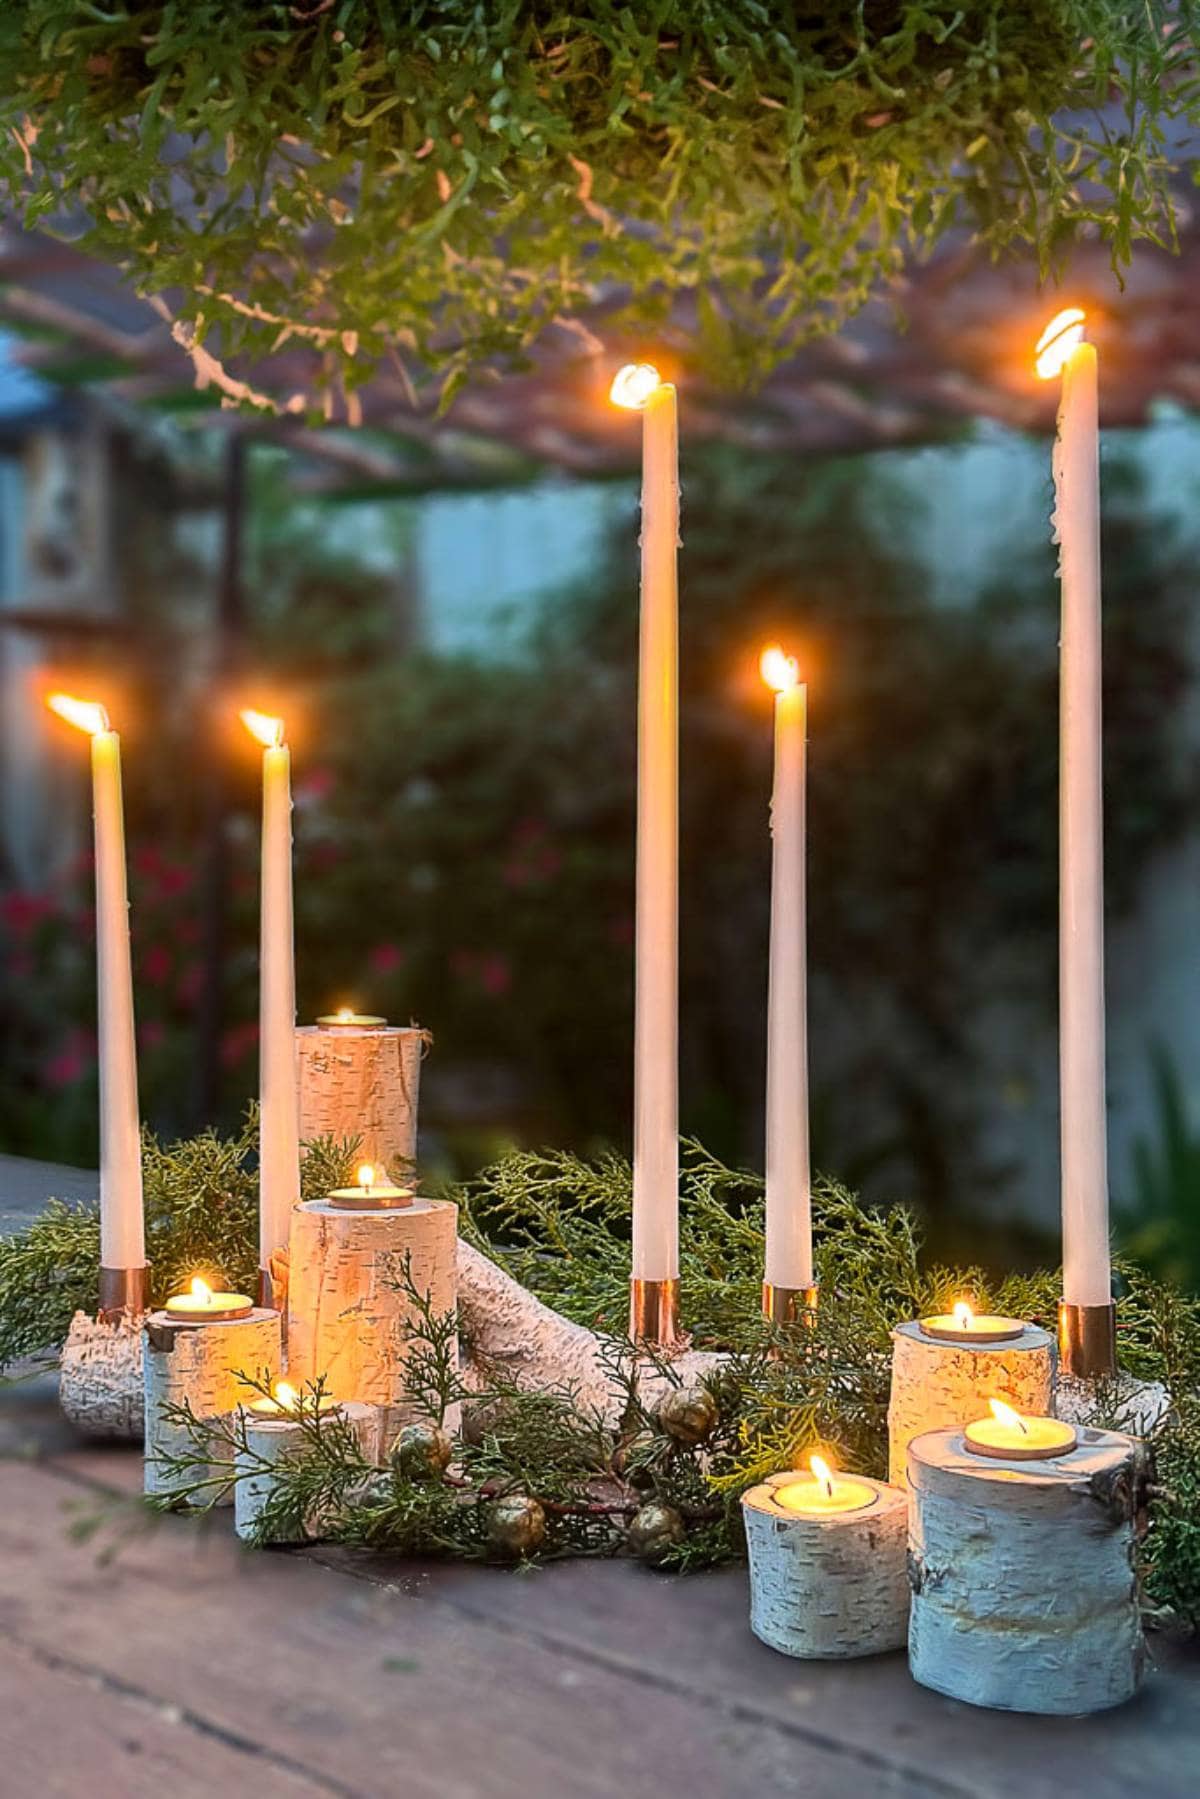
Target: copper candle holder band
{"points": [[654, 1312], [1087, 1340], [123, 1290], [789, 1305]]}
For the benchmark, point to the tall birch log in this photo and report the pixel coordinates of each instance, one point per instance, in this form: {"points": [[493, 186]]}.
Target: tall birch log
{"points": [[349, 1318], [940, 1386], [364, 1084], [1024, 1589], [828, 1587], [100, 1377], [199, 1365]]}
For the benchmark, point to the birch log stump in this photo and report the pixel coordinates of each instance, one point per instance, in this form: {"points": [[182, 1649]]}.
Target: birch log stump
{"points": [[830, 1586], [362, 1083], [1024, 1591], [199, 1365], [944, 1386], [267, 1444], [349, 1318], [100, 1377]]}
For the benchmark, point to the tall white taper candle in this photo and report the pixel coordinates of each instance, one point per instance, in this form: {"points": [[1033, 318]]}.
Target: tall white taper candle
{"points": [[122, 1229], [279, 1140], [789, 1258], [1087, 1274], [656, 1016]]}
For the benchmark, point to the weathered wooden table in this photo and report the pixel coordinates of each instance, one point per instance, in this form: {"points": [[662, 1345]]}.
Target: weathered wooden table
{"points": [[184, 1665]]}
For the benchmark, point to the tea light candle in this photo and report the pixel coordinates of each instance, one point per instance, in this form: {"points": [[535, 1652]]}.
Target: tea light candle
{"points": [[200, 1305], [827, 1563], [1009, 1437], [819, 1493], [370, 1194], [287, 1402], [964, 1325], [346, 1019]]}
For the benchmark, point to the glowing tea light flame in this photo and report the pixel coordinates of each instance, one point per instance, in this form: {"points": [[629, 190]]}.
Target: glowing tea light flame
{"points": [[633, 385], [1005, 1415], [963, 1314], [779, 671], [366, 1176], [284, 1395], [200, 1291], [268, 730], [1062, 335], [822, 1472], [345, 1013], [85, 715]]}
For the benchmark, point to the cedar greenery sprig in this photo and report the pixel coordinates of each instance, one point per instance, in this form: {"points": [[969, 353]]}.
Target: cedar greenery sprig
{"points": [[434, 187]]}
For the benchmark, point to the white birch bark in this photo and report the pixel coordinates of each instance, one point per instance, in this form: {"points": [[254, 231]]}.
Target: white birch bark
{"points": [[826, 1588], [199, 1365], [270, 1443], [363, 1084], [940, 1386], [349, 1319], [1024, 1591], [100, 1377]]}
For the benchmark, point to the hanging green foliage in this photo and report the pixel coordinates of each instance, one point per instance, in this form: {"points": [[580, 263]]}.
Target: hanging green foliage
{"points": [[439, 183]]}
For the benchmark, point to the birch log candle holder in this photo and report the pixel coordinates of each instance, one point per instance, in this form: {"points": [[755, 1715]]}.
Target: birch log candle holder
{"points": [[359, 1078], [827, 1564], [349, 1316], [199, 1365], [270, 1435], [1024, 1592], [100, 1376], [944, 1374]]}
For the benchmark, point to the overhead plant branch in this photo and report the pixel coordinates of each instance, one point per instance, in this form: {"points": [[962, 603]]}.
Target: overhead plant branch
{"points": [[457, 178]]}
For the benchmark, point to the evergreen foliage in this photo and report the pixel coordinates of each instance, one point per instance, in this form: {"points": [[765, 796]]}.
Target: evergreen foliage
{"points": [[561, 1225], [437, 184]]}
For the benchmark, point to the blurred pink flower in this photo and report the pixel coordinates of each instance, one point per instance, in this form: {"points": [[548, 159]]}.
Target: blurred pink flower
{"points": [[156, 964], [386, 958], [237, 1043], [315, 785], [21, 966], [190, 984], [495, 974], [152, 1034], [23, 912], [71, 1062], [324, 856], [176, 878]]}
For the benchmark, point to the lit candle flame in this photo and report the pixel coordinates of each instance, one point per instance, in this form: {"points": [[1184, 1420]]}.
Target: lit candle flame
{"points": [[284, 1395], [85, 715], [779, 671], [633, 385], [345, 1014], [366, 1175], [963, 1314], [1062, 335], [822, 1472], [201, 1291], [1004, 1414], [268, 730]]}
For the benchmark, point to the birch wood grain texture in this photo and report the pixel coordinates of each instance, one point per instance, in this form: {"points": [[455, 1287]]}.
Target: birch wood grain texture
{"points": [[827, 1588], [100, 1377], [363, 1084], [200, 1365], [507, 1328], [349, 1319], [269, 1444], [943, 1386], [1024, 1589]]}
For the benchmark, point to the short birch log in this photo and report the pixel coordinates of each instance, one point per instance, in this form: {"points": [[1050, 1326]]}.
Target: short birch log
{"points": [[943, 1386], [831, 1586], [199, 1365], [267, 1445], [350, 1321], [100, 1377], [1024, 1592], [362, 1084]]}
